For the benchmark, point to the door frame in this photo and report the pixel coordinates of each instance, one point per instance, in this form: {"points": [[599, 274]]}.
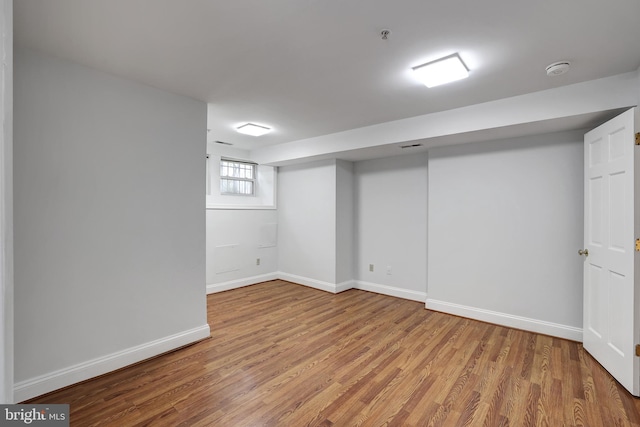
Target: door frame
{"points": [[6, 201], [636, 259]]}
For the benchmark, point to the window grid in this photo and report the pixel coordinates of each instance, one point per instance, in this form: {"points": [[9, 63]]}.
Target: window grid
{"points": [[237, 178]]}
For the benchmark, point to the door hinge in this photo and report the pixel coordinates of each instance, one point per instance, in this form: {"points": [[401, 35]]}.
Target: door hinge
{"points": [[637, 245], [638, 138], [638, 350]]}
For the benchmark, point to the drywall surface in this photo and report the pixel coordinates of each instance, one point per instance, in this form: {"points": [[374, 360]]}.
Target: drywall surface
{"points": [[241, 244], [391, 222], [505, 223], [546, 109], [109, 221], [307, 220], [345, 222]]}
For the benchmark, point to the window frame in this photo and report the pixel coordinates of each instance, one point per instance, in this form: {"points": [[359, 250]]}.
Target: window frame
{"points": [[241, 165]]}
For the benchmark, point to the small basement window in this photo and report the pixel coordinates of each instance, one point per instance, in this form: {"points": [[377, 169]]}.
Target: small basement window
{"points": [[237, 177]]}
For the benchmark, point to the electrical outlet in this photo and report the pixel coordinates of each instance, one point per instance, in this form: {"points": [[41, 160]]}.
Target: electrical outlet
{"points": [[370, 267], [257, 261], [389, 270]]}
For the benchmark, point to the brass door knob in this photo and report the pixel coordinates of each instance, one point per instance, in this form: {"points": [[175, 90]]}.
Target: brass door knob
{"points": [[584, 252]]}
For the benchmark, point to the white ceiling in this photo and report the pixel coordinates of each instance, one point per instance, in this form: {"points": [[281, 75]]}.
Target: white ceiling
{"points": [[313, 67]]}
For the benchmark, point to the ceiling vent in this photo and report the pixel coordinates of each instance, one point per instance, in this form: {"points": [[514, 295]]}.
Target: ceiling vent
{"points": [[410, 146]]}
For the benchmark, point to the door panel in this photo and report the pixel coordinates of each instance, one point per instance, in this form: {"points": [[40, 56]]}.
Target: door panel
{"points": [[618, 317], [595, 211], [609, 329], [594, 294]]}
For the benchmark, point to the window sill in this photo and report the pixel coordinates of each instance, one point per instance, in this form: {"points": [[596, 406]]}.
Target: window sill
{"points": [[211, 206]]}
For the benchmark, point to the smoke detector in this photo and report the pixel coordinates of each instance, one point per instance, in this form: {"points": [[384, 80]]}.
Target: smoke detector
{"points": [[558, 68]]}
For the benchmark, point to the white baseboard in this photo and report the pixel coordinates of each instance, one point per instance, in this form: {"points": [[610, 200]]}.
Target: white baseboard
{"points": [[345, 286], [320, 285], [239, 283], [509, 320], [247, 281], [83, 371], [354, 284], [312, 283], [391, 291]]}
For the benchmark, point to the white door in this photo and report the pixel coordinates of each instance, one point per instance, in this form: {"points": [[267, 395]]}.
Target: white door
{"points": [[610, 330]]}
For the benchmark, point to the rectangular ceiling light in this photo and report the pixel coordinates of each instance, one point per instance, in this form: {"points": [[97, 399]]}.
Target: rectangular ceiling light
{"points": [[253, 130], [441, 71]]}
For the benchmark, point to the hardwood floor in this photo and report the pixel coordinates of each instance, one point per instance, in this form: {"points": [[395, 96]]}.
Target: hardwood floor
{"points": [[285, 355]]}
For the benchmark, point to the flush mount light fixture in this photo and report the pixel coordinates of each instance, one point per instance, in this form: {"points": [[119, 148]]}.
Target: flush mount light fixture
{"points": [[253, 129], [441, 71]]}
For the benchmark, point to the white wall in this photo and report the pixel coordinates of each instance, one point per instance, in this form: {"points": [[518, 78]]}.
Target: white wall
{"points": [[308, 240], [505, 224], [307, 223], [240, 229], [235, 240], [6, 202], [109, 222], [391, 225], [345, 222]]}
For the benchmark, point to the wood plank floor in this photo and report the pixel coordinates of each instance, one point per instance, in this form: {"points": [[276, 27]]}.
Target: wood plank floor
{"points": [[285, 355]]}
